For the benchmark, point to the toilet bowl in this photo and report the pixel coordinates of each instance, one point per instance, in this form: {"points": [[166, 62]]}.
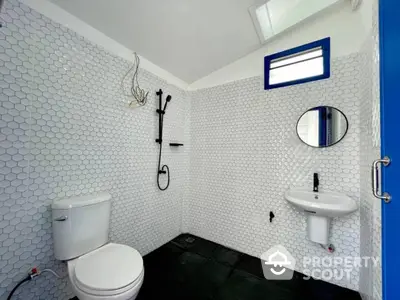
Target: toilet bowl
{"points": [[112, 271], [97, 269]]}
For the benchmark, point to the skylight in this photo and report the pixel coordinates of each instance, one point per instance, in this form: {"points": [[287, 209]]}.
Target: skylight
{"points": [[276, 16]]}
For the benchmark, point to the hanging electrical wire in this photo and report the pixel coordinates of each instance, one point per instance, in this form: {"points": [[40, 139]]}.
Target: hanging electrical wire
{"points": [[139, 94], [1, 5]]}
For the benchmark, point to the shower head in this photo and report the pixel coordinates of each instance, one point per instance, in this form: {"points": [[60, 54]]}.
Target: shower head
{"points": [[166, 101]]}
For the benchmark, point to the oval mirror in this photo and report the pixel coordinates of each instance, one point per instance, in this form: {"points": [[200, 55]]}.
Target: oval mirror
{"points": [[322, 126]]}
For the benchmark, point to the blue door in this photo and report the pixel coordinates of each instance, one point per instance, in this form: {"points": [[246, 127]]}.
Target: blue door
{"points": [[389, 19]]}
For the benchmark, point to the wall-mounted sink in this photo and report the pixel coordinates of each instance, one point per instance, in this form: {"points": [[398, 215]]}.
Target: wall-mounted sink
{"points": [[328, 204], [320, 208]]}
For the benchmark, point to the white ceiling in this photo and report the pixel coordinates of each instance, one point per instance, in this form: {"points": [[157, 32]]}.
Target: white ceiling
{"points": [[188, 38]]}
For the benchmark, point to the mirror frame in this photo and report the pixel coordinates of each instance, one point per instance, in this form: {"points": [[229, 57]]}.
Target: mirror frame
{"points": [[321, 147]]}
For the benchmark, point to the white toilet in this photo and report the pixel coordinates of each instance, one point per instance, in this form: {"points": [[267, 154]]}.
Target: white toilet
{"points": [[97, 269]]}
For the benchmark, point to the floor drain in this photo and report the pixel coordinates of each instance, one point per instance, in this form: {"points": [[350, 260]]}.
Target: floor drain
{"points": [[189, 240]]}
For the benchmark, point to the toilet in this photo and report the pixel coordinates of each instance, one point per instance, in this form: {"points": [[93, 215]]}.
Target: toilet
{"points": [[97, 269]]}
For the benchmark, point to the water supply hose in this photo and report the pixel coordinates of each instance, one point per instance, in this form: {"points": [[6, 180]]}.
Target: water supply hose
{"points": [[28, 278]]}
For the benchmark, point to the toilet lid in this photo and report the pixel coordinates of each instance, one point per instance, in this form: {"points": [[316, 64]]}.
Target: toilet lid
{"points": [[110, 267]]}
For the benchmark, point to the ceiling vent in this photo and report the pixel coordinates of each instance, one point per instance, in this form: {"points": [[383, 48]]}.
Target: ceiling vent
{"points": [[275, 16]]}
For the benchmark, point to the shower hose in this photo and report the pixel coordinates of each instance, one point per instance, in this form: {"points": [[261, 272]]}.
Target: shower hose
{"points": [[164, 169]]}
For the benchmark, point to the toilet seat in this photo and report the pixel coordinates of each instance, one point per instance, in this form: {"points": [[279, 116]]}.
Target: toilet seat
{"points": [[109, 270], [104, 293]]}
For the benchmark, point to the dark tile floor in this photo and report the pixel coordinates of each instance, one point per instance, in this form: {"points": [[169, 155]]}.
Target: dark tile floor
{"points": [[192, 268]]}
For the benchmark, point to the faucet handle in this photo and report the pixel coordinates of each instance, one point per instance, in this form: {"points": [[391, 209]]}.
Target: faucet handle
{"points": [[316, 182]]}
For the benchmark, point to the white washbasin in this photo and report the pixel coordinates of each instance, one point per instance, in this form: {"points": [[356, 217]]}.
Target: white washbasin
{"points": [[327, 204], [320, 208]]}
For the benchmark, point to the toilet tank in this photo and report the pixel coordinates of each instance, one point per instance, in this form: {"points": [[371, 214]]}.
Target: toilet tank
{"points": [[80, 224]]}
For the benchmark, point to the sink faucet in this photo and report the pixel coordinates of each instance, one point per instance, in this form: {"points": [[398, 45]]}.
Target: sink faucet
{"points": [[316, 183]]}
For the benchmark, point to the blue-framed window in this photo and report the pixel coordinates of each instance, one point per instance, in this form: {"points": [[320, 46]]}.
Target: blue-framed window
{"points": [[302, 64]]}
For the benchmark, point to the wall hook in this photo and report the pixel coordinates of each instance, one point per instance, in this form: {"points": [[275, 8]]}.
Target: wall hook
{"points": [[271, 216]]}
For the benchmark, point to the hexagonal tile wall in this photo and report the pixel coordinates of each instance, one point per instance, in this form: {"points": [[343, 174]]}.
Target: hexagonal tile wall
{"points": [[245, 153], [66, 130], [370, 209]]}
